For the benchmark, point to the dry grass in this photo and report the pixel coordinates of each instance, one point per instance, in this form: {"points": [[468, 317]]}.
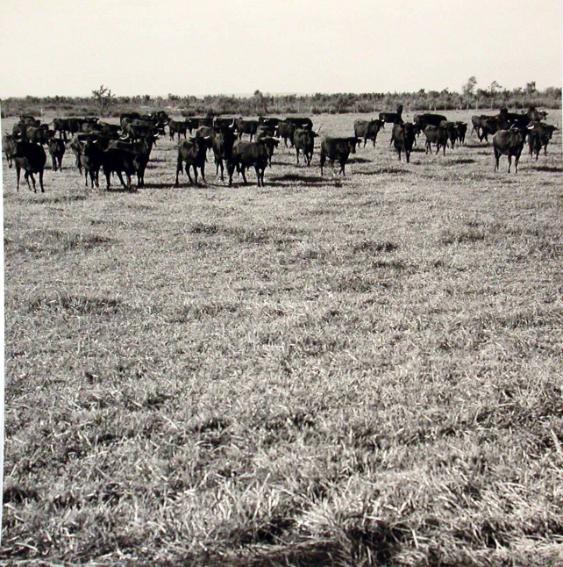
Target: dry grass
{"points": [[318, 372]]}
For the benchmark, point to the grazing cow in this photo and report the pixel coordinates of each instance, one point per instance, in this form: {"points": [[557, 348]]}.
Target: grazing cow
{"points": [[193, 153], [57, 151], [9, 144], [300, 122], [461, 130], [267, 135], [420, 121], [509, 143], [436, 135], [245, 126], [222, 143], [91, 159], [489, 126], [177, 127], [31, 158], [246, 154], [304, 140], [367, 129], [403, 138], [337, 149], [392, 117], [285, 131], [539, 135]]}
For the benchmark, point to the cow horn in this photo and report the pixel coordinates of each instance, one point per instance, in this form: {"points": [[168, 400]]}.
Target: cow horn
{"points": [[318, 129]]}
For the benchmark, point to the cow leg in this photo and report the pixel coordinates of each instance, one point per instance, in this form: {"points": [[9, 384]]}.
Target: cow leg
{"points": [[121, 179], [108, 175], [41, 181], [399, 152], [27, 176], [427, 146], [257, 169], [545, 149], [509, 162], [408, 154], [178, 169], [497, 159], [322, 162], [54, 163], [444, 146], [297, 155], [203, 173], [242, 170], [188, 174], [86, 177]]}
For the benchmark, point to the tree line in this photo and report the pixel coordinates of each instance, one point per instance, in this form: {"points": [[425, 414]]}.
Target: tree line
{"points": [[103, 102]]}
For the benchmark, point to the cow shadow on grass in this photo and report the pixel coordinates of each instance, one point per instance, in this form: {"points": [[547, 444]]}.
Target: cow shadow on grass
{"points": [[548, 168], [476, 145], [359, 160], [386, 171], [294, 177]]}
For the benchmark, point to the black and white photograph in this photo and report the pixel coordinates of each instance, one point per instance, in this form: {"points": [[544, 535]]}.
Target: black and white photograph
{"points": [[282, 283]]}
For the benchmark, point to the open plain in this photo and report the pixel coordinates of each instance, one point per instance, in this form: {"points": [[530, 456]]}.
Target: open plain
{"points": [[352, 371]]}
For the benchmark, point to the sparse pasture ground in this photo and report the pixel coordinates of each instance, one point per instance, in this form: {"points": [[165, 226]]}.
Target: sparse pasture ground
{"points": [[360, 371]]}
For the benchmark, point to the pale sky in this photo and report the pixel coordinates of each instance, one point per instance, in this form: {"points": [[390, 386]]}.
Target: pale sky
{"points": [[69, 47]]}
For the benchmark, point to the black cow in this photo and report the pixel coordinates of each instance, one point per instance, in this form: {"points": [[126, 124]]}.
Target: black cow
{"points": [[207, 133], [451, 129], [37, 134], [285, 131], [509, 143], [269, 121], [31, 158], [193, 153], [266, 134], [117, 160], [392, 117], [403, 138], [222, 143], [245, 126], [367, 129], [304, 140], [9, 145], [139, 130], [109, 130], [177, 127], [60, 125], [57, 151], [461, 129], [246, 154], [436, 135], [29, 120], [300, 122], [539, 135], [488, 126], [222, 122], [337, 149], [91, 159], [141, 151], [420, 121]]}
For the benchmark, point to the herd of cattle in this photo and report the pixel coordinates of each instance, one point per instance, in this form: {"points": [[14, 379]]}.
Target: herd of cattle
{"points": [[125, 148]]}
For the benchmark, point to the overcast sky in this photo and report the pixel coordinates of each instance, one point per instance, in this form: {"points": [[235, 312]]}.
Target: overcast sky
{"points": [[69, 47]]}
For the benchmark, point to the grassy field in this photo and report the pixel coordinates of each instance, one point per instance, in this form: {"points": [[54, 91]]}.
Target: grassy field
{"points": [[357, 371]]}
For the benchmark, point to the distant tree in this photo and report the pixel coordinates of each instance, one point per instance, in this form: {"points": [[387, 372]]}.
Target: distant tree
{"points": [[531, 88], [103, 98], [469, 88], [260, 102]]}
